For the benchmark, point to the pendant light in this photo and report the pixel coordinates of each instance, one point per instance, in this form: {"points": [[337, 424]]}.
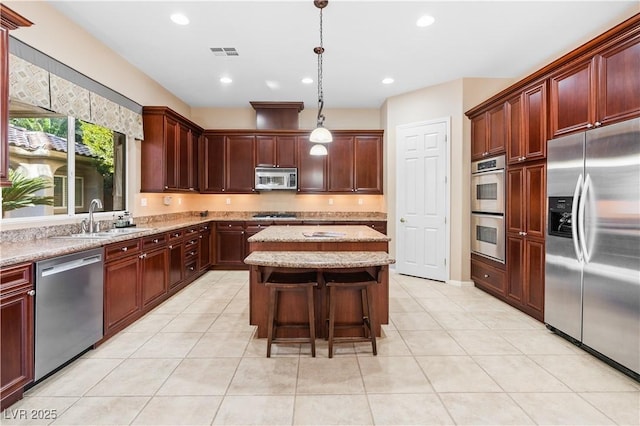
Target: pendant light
{"points": [[320, 134]]}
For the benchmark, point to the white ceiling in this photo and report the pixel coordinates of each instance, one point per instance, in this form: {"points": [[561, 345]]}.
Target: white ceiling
{"points": [[365, 41]]}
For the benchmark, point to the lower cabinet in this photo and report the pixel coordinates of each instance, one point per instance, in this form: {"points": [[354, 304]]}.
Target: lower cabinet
{"points": [[525, 285], [176, 258], [205, 247], [154, 275], [489, 278], [16, 334], [122, 287], [230, 244]]}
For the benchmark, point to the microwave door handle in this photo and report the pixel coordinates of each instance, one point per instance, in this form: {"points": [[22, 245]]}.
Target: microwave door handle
{"points": [[582, 218], [575, 237]]}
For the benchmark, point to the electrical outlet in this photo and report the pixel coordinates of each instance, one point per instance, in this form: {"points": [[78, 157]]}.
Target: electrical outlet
{"points": [[143, 202], [179, 201], [228, 201], [360, 201], [330, 201]]}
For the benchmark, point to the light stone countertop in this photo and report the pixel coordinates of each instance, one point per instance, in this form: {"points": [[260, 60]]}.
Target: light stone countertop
{"points": [[305, 233], [319, 259]]}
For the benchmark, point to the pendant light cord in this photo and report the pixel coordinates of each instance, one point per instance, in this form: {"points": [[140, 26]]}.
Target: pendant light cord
{"points": [[320, 91]]}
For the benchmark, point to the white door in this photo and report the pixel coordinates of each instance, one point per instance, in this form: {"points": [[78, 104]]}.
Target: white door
{"points": [[422, 200]]}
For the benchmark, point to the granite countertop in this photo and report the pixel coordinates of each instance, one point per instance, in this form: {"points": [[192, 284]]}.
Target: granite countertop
{"points": [[323, 233], [319, 259], [43, 248]]}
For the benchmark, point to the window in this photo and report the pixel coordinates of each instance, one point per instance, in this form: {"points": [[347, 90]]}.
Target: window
{"points": [[47, 181]]}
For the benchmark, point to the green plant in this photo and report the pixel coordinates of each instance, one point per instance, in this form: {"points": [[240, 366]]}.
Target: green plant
{"points": [[22, 192]]}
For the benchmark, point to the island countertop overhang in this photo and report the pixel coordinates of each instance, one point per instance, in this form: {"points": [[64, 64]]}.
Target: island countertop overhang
{"points": [[296, 234], [319, 259]]}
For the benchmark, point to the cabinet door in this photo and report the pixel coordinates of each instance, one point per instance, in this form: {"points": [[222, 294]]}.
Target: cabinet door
{"points": [[266, 151], [619, 82], [212, 164], [205, 248], [155, 275], [194, 173], [16, 332], [572, 98], [497, 131], [534, 124], [516, 203], [479, 137], [230, 243], [121, 291], [341, 164], [286, 151], [176, 263], [488, 277], [172, 155], [311, 168], [368, 164], [515, 267], [534, 278], [239, 164], [536, 200], [515, 150]]}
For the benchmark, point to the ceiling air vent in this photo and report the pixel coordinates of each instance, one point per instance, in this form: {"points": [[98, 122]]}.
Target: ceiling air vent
{"points": [[224, 51]]}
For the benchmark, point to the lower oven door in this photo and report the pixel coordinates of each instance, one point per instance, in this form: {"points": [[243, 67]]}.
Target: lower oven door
{"points": [[487, 236]]}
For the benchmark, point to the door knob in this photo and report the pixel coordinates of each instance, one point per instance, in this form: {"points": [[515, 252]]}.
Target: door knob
{"points": [[402, 220]]}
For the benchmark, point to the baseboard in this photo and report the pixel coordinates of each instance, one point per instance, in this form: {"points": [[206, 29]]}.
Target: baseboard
{"points": [[457, 283]]}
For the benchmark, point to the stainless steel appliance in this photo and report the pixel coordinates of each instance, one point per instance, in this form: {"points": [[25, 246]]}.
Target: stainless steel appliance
{"points": [[270, 178], [68, 308], [592, 291], [488, 236], [487, 185], [487, 208]]}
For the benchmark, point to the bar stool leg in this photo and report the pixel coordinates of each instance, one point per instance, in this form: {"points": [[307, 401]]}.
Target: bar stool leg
{"points": [[273, 300], [332, 318], [312, 320], [370, 320]]}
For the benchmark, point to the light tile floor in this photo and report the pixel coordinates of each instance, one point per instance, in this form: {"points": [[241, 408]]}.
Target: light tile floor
{"points": [[450, 355]]}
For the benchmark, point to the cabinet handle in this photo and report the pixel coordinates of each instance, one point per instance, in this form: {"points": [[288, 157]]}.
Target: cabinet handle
{"points": [[222, 189], [191, 268], [170, 247], [31, 293], [124, 248], [192, 253], [176, 234], [191, 189], [166, 187], [155, 241], [486, 275], [589, 125], [598, 124], [143, 255], [200, 237]]}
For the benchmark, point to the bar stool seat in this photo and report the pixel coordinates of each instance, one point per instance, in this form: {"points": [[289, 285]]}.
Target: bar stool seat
{"points": [[290, 281], [358, 281]]}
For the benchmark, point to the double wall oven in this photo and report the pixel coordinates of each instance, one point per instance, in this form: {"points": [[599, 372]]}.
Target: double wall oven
{"points": [[487, 208]]}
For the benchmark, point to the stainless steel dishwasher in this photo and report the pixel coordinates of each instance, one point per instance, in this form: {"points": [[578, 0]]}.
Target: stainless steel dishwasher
{"points": [[68, 308]]}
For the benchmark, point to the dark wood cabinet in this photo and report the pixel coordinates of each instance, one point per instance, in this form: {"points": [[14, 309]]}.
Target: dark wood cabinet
{"points": [[212, 164], [230, 244], [276, 151], [600, 89], [205, 247], [527, 125], [489, 132], [526, 200], [176, 258], [239, 163], [341, 164], [191, 252], [489, 277], [525, 287], [122, 290], [355, 164], [9, 20], [154, 274], [368, 164], [169, 152], [312, 169], [17, 331]]}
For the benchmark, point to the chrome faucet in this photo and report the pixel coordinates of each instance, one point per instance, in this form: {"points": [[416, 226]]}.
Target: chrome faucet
{"points": [[95, 203]]}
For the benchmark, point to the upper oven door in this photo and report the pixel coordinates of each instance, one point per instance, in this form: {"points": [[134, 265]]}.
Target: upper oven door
{"points": [[487, 192]]}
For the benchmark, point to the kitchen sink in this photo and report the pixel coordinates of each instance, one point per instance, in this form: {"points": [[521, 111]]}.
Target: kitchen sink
{"points": [[110, 233]]}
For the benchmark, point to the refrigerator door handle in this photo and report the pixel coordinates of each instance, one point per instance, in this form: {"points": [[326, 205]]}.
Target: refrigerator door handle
{"points": [[574, 214], [581, 219]]}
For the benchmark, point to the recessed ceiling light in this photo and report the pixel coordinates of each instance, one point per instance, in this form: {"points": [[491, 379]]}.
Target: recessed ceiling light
{"points": [[180, 19], [273, 85], [307, 80], [226, 80], [387, 80], [425, 21]]}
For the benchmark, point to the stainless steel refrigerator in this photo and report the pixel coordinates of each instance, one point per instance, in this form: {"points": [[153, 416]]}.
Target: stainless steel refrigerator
{"points": [[592, 275]]}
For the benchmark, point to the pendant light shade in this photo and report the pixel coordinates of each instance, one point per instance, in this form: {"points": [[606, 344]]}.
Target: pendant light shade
{"points": [[320, 134], [318, 149]]}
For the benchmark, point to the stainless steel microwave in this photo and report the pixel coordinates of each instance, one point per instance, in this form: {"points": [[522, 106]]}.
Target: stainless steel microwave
{"points": [[274, 178]]}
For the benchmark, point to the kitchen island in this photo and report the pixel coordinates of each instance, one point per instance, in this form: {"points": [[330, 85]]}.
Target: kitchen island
{"points": [[344, 248]]}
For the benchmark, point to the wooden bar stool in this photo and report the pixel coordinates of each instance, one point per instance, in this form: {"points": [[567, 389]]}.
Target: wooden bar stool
{"points": [[290, 281], [361, 281]]}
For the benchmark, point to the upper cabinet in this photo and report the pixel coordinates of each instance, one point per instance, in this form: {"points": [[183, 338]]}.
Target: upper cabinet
{"points": [[276, 151], [600, 89], [9, 20], [489, 132], [227, 163], [527, 124], [312, 169], [169, 152]]}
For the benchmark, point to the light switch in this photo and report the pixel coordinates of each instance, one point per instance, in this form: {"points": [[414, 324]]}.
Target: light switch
{"points": [[360, 201], [330, 201], [143, 202], [228, 201]]}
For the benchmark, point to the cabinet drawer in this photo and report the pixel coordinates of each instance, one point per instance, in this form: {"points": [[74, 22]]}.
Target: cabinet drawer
{"points": [[192, 230], [175, 234], [15, 277], [255, 227], [233, 226], [124, 248], [190, 268], [190, 252], [204, 227], [153, 241], [488, 276]]}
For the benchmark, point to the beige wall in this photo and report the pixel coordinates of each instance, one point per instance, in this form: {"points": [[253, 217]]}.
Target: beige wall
{"points": [[447, 100]]}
